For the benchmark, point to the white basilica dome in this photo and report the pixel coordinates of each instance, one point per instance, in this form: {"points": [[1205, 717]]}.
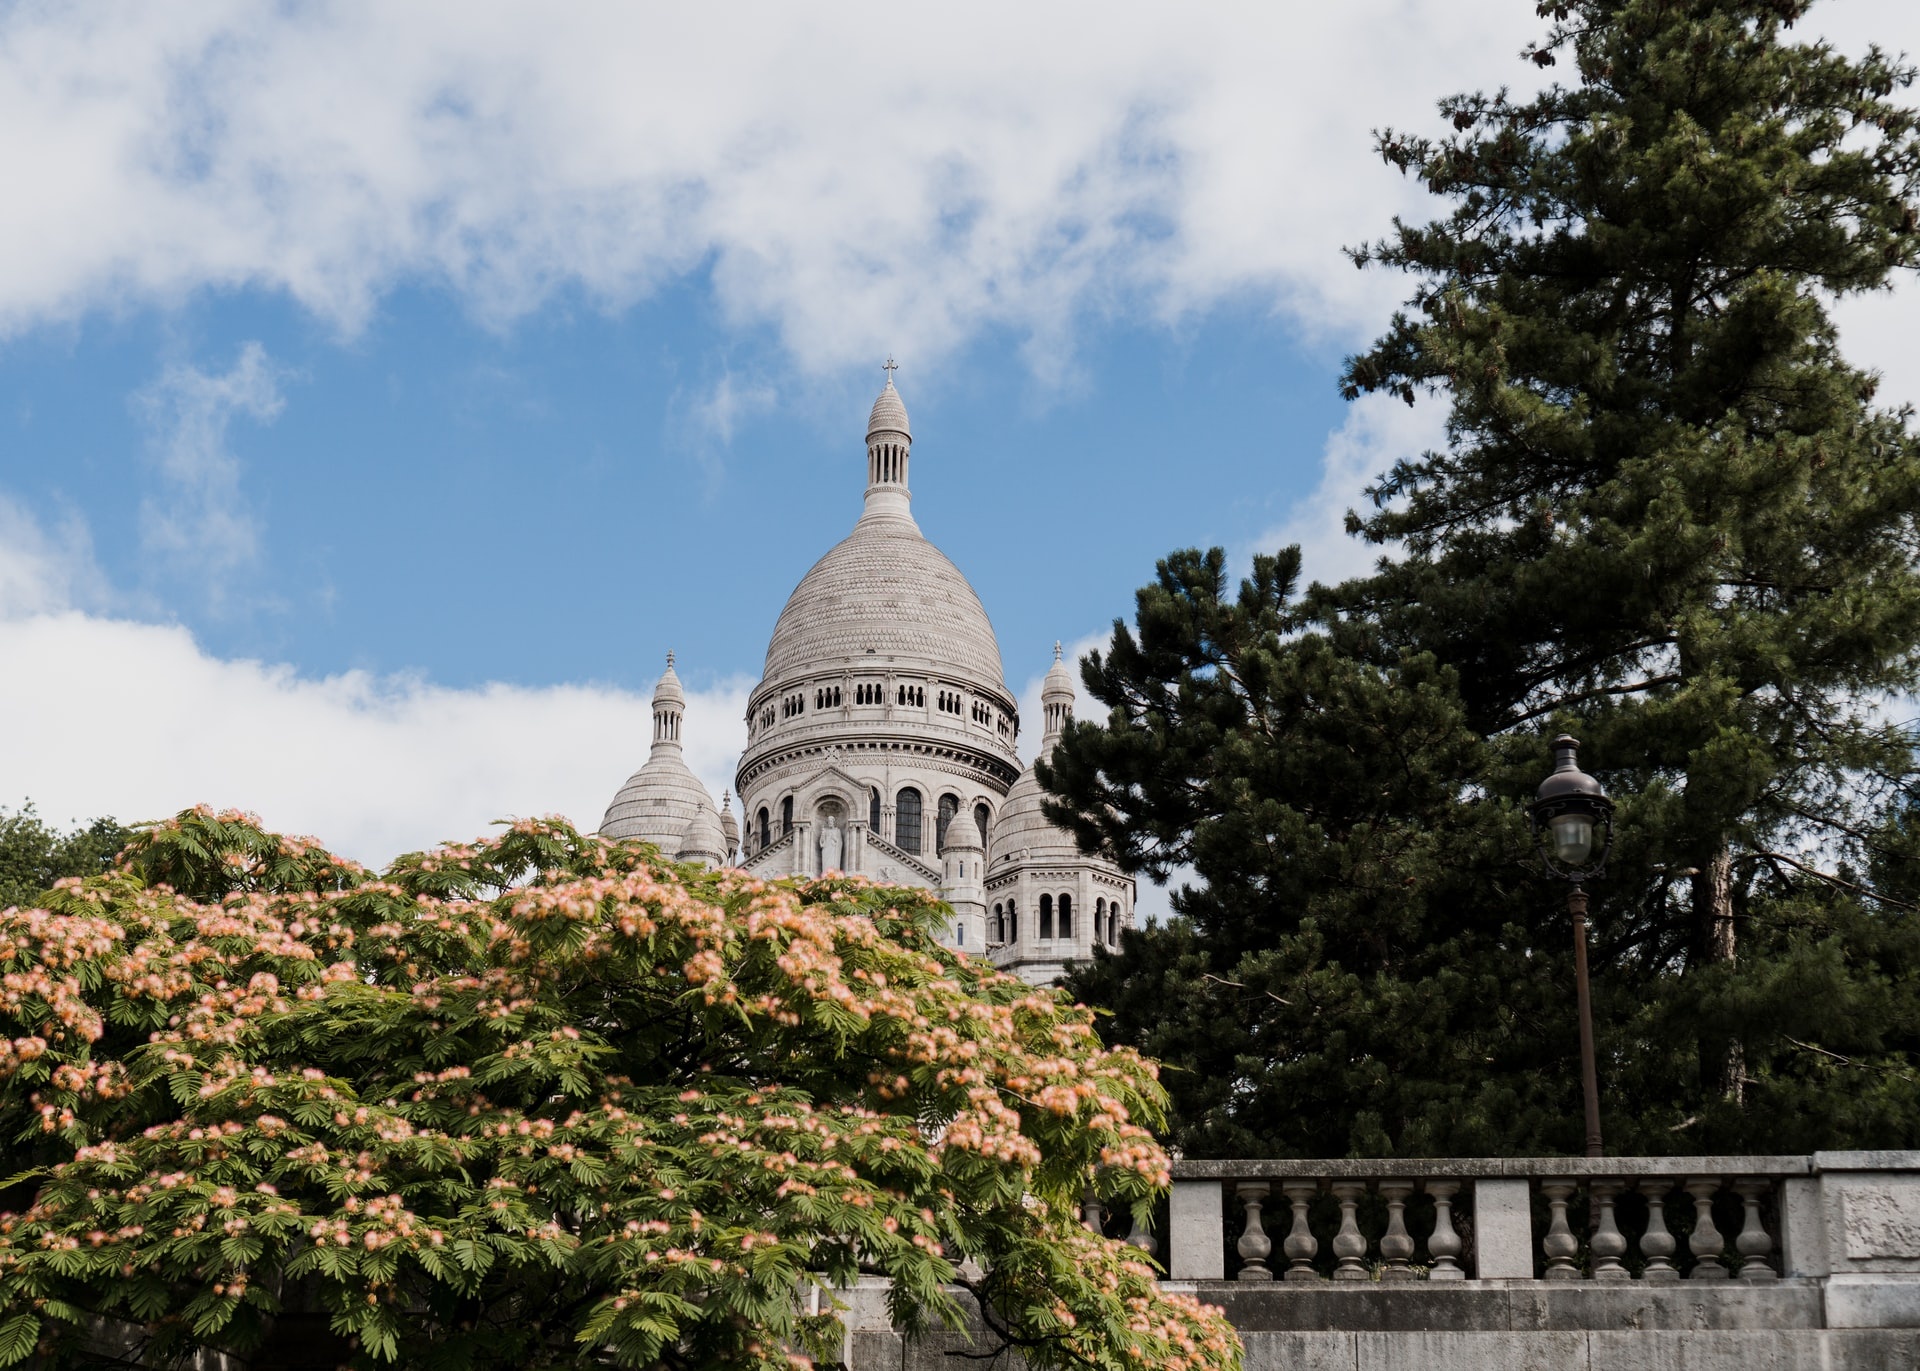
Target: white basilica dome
{"points": [[885, 591]]}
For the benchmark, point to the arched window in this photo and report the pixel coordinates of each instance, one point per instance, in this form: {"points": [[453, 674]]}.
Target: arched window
{"points": [[959, 932], [1099, 918], [1066, 916], [999, 930], [981, 817], [906, 821], [1013, 922], [873, 812], [1113, 924], [1046, 916], [765, 833], [786, 816], [949, 806]]}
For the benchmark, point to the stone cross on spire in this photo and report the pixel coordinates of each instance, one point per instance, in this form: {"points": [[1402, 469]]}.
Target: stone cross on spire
{"points": [[889, 366]]}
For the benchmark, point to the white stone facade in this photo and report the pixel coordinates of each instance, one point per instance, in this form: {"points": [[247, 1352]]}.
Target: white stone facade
{"points": [[882, 740]]}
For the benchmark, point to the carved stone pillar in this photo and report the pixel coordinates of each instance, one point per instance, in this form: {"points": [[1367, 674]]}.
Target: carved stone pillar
{"points": [[1350, 1244], [1754, 1244], [1657, 1244], [1562, 1249], [1092, 1215], [1396, 1244], [1255, 1246], [1608, 1243], [1444, 1245], [1707, 1242], [1301, 1246]]}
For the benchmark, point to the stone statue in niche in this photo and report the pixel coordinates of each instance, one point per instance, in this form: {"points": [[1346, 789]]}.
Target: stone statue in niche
{"points": [[831, 844]]}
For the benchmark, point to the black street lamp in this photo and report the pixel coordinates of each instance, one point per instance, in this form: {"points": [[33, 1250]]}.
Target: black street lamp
{"points": [[1573, 823]]}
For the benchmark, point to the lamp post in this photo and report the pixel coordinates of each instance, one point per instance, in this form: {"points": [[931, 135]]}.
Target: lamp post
{"points": [[1573, 823]]}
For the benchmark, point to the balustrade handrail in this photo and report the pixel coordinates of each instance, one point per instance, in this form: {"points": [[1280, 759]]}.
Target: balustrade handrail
{"points": [[1470, 1168]]}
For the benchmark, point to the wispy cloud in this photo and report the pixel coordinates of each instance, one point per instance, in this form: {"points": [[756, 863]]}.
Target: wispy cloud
{"points": [[199, 523], [1379, 430], [373, 765]]}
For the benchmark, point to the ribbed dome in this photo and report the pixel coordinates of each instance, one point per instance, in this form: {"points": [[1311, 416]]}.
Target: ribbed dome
{"points": [[889, 413], [884, 589], [1021, 828], [657, 802]]}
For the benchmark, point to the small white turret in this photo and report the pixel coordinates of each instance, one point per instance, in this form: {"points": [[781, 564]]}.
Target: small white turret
{"points": [[889, 445], [669, 708], [963, 884], [729, 826], [1056, 702]]}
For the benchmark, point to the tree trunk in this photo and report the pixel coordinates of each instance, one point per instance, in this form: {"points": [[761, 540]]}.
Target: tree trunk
{"points": [[1723, 1066]]}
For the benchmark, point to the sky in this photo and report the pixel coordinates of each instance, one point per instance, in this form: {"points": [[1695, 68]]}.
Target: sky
{"points": [[385, 389]]}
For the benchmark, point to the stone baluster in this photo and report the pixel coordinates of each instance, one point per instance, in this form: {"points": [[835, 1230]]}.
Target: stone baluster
{"points": [[1396, 1244], [1301, 1246], [1349, 1244], [1657, 1244], [1141, 1236], [1560, 1246], [1092, 1216], [1255, 1246], [1753, 1244], [1608, 1244], [1707, 1242], [1444, 1244]]}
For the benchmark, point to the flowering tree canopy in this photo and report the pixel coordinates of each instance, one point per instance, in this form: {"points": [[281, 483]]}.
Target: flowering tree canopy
{"points": [[547, 1100]]}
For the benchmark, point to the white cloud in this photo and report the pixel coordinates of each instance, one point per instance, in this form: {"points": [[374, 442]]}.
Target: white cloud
{"points": [[136, 720], [200, 522], [1378, 431], [860, 177]]}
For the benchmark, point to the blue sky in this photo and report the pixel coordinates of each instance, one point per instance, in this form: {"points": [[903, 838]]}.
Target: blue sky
{"points": [[383, 390]]}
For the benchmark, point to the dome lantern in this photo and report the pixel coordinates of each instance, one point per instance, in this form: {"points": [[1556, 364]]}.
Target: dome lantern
{"points": [[669, 707], [889, 444], [1056, 701]]}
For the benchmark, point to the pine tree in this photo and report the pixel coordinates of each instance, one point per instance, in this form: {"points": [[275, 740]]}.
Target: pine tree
{"points": [[1669, 516], [1669, 508]]}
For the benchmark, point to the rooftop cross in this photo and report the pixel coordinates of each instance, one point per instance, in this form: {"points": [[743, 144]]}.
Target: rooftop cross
{"points": [[890, 366]]}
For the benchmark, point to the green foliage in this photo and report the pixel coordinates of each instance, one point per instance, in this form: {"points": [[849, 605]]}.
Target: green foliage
{"points": [[548, 1101], [1669, 517], [34, 856]]}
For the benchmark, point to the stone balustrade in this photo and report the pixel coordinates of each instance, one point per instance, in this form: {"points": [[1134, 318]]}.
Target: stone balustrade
{"points": [[1608, 1264]]}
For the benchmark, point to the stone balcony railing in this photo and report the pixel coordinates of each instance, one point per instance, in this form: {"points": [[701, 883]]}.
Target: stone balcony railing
{"points": [[1610, 1264]]}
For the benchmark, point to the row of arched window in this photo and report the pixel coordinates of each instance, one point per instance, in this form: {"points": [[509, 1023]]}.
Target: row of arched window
{"points": [[908, 811], [1056, 920], [874, 693]]}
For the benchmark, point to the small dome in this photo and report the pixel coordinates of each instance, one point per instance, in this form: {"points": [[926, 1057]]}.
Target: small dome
{"points": [[703, 841], [1021, 830], [889, 414], [1059, 681], [657, 802], [729, 826]]}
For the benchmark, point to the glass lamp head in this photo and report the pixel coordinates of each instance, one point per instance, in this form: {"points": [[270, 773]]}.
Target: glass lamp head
{"points": [[1572, 817]]}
